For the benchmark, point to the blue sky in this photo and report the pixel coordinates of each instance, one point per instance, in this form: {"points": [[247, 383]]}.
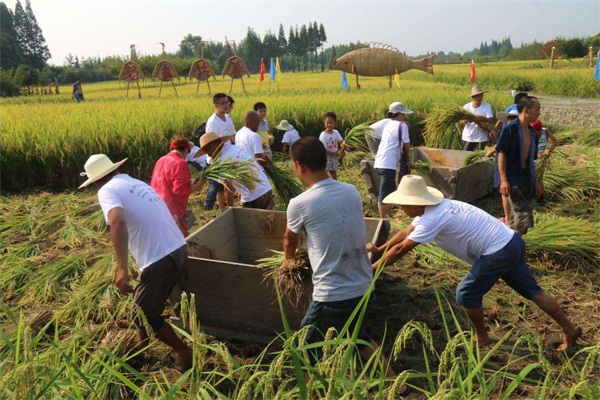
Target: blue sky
{"points": [[107, 27]]}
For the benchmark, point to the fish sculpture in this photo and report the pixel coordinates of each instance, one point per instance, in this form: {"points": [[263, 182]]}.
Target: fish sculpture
{"points": [[381, 60]]}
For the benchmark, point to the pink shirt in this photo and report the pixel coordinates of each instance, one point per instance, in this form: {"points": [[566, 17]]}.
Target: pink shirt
{"points": [[172, 181]]}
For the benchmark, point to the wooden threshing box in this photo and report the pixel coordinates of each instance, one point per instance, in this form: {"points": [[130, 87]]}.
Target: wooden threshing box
{"points": [[232, 299], [448, 174]]}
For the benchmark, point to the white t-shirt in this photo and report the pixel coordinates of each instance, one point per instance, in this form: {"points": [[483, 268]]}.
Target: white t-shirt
{"points": [[378, 127], [331, 140], [237, 153], [221, 128], [290, 137], [331, 214], [200, 160], [461, 229], [249, 140], [390, 148], [472, 132], [152, 231]]}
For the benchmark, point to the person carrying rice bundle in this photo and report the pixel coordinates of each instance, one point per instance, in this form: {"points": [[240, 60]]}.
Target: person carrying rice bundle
{"points": [[473, 137]]}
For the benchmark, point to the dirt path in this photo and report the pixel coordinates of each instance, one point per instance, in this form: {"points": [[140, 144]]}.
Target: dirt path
{"points": [[575, 111]]}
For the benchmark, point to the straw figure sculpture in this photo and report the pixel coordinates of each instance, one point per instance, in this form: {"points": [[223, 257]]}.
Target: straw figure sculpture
{"points": [[236, 68], [201, 70], [131, 72], [380, 60], [164, 71]]}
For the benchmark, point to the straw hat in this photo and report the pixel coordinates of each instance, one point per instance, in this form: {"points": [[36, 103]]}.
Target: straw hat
{"points": [[97, 167], [399, 108], [477, 89], [504, 116], [413, 191], [284, 125]]}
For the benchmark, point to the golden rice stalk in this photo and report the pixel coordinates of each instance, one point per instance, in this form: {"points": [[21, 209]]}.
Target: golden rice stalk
{"points": [[421, 167], [288, 274], [478, 156], [442, 127], [285, 183], [230, 170], [355, 138]]}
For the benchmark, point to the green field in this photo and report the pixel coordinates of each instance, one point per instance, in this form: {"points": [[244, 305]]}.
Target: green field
{"points": [[66, 333]]}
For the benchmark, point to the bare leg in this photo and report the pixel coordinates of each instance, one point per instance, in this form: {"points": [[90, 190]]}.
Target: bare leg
{"points": [[221, 200], [384, 209], [551, 307], [476, 317], [506, 207], [167, 335], [333, 174]]}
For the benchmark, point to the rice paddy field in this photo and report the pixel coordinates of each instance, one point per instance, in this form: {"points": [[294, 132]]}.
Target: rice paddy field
{"points": [[66, 333]]}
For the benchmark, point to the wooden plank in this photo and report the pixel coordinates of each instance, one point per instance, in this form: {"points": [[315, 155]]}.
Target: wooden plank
{"points": [[217, 239]]}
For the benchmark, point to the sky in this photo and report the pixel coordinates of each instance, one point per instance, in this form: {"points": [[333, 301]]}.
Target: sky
{"points": [[107, 27]]}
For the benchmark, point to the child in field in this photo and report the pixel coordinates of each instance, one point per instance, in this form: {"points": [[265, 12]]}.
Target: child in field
{"points": [[332, 140], [263, 129], [289, 137]]}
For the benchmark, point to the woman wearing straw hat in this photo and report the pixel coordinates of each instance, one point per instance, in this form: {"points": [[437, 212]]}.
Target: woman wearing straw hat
{"points": [[494, 251], [475, 138], [394, 148], [141, 223]]}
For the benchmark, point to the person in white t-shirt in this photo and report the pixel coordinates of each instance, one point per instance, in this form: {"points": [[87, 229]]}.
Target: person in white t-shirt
{"points": [[248, 139], [494, 250], [260, 195], [330, 213], [289, 137], [140, 222], [473, 137], [374, 137], [333, 142], [221, 124], [394, 148]]}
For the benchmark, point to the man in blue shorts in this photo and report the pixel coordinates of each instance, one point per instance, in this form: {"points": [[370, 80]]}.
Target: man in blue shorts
{"points": [[494, 250], [331, 215]]}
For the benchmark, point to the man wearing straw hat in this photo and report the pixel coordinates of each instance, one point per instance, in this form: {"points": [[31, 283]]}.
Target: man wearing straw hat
{"points": [[475, 138], [140, 222], [494, 251]]}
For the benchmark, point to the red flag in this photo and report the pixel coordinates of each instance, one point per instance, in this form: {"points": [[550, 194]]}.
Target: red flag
{"points": [[473, 71], [262, 70]]}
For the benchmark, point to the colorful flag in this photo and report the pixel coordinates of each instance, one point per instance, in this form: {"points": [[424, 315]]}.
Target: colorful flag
{"points": [[277, 68], [473, 71], [272, 72], [397, 79], [344, 81], [262, 70], [597, 73]]}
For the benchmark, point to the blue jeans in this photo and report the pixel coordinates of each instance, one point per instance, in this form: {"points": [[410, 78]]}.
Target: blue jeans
{"points": [[331, 314], [211, 194], [507, 264], [387, 183]]}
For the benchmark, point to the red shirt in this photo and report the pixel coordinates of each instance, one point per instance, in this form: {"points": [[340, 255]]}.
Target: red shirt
{"points": [[172, 181]]}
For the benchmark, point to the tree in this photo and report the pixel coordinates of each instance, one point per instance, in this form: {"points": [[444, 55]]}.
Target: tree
{"points": [[573, 48], [189, 46], [26, 76], [29, 36], [251, 49], [281, 42], [270, 46], [10, 54]]}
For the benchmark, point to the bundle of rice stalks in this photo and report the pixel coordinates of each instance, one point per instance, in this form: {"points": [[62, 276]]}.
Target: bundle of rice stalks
{"points": [[569, 178], [568, 241], [589, 138], [355, 138], [241, 171], [289, 275], [285, 183], [478, 156], [421, 167], [443, 129]]}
